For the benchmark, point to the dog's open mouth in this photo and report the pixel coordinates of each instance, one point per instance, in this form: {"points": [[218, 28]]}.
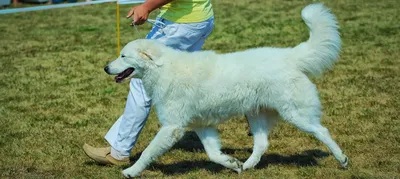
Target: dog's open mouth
{"points": [[121, 76]]}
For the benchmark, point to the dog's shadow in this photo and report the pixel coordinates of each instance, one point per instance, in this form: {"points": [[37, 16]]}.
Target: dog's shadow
{"points": [[191, 143]]}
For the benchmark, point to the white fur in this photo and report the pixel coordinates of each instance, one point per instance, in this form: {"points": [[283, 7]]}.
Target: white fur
{"points": [[202, 89]]}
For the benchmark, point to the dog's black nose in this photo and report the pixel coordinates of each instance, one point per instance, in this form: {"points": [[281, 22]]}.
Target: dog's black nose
{"points": [[106, 69]]}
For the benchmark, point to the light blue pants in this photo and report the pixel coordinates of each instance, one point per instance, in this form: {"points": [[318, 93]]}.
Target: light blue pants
{"points": [[124, 133]]}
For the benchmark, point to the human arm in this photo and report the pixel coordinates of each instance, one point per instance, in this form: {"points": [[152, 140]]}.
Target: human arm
{"points": [[141, 13]]}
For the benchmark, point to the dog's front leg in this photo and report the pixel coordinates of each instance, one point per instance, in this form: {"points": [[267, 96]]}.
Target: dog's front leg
{"points": [[164, 140], [210, 140]]}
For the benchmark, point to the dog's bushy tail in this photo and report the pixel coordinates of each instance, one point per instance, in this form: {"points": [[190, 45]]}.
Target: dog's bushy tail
{"points": [[322, 49]]}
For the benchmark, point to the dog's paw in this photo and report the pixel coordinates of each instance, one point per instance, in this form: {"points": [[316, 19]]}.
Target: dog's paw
{"points": [[130, 173], [239, 169], [237, 165], [251, 162], [345, 162], [248, 165]]}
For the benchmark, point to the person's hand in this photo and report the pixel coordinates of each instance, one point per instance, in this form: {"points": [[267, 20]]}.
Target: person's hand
{"points": [[140, 14]]}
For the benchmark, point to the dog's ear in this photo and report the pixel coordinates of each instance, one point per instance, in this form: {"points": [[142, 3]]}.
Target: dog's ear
{"points": [[146, 55], [151, 54]]}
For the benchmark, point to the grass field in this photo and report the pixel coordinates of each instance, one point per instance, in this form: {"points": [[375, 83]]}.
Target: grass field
{"points": [[55, 95]]}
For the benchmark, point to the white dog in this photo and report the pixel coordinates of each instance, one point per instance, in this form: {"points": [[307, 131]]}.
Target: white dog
{"points": [[202, 89]]}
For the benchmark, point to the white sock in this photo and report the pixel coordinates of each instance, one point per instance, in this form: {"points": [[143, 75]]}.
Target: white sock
{"points": [[117, 155]]}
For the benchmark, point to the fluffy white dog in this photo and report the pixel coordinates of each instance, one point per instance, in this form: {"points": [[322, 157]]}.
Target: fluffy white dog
{"points": [[202, 89]]}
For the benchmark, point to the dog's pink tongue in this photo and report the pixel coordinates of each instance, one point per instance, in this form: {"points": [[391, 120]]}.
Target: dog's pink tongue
{"points": [[120, 77]]}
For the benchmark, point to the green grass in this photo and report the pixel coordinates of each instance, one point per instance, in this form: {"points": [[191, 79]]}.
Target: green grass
{"points": [[55, 95]]}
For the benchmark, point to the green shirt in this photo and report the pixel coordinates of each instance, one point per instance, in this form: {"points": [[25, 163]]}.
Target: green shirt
{"points": [[187, 11]]}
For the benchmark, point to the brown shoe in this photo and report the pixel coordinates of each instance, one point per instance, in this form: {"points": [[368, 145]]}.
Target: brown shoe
{"points": [[103, 155]]}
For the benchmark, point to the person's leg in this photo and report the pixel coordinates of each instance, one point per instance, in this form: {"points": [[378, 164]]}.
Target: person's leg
{"points": [[124, 133]]}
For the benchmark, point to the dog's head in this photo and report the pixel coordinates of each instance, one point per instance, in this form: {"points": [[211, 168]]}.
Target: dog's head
{"points": [[135, 59]]}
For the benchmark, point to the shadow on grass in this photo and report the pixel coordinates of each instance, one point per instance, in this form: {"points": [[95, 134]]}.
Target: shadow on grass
{"points": [[191, 143], [307, 158]]}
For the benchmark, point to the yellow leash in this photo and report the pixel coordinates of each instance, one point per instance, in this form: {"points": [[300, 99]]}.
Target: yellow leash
{"points": [[118, 31]]}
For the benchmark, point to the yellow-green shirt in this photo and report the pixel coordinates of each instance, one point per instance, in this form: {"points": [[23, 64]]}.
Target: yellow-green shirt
{"points": [[187, 11]]}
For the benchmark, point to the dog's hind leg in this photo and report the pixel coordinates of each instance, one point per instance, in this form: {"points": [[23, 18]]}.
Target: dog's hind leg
{"points": [[210, 140], [164, 140], [260, 125], [310, 122]]}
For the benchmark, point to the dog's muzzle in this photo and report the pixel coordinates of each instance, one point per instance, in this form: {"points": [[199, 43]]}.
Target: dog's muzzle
{"points": [[120, 76]]}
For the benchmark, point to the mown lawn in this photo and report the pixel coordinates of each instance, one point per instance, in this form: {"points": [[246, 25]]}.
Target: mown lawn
{"points": [[54, 95]]}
